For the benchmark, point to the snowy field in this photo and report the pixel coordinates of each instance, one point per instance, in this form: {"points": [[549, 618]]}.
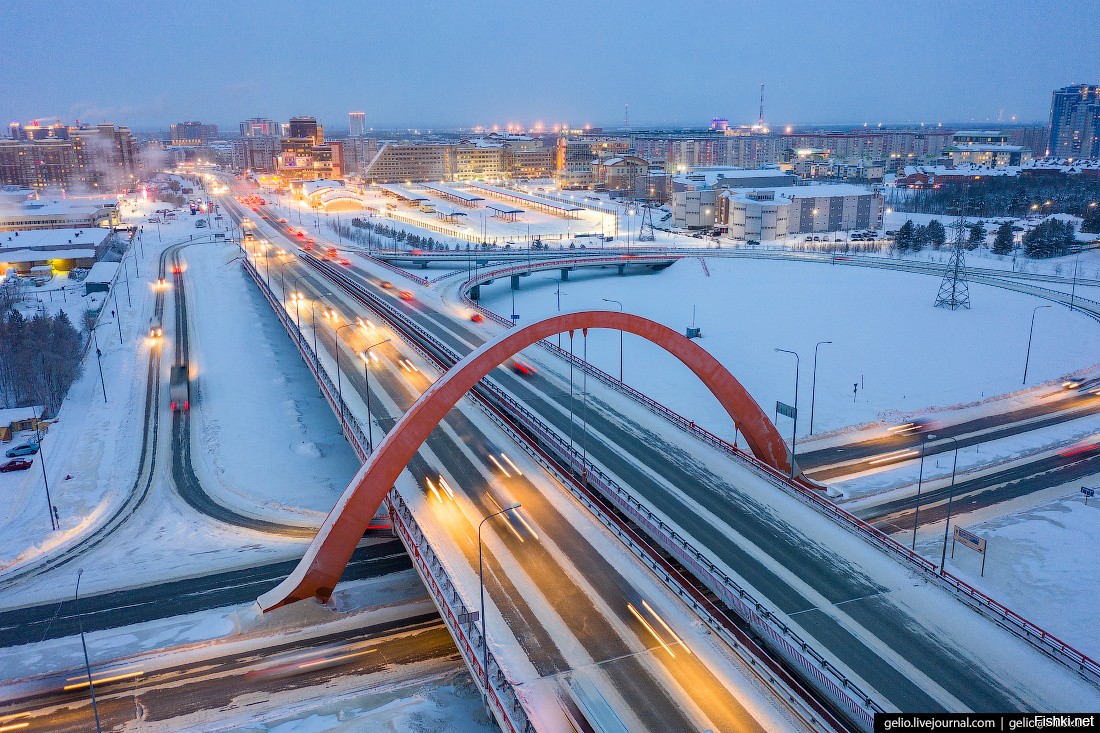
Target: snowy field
{"points": [[1041, 562], [905, 355]]}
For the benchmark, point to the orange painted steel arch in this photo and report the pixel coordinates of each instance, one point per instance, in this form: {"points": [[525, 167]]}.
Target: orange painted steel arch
{"points": [[319, 570]]}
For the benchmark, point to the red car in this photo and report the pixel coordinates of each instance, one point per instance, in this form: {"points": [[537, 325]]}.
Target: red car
{"points": [[406, 295], [477, 318], [16, 464], [524, 368], [300, 234], [345, 262]]}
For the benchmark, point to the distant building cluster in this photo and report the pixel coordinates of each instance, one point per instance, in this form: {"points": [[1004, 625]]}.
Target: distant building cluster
{"points": [[1075, 122], [46, 154]]}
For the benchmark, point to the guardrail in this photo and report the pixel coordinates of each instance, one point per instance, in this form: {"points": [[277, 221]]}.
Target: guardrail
{"points": [[1041, 639], [788, 644], [501, 695], [501, 692]]}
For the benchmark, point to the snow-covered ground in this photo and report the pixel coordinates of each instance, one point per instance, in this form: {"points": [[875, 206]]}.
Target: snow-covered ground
{"points": [[287, 469], [904, 355], [1040, 561]]}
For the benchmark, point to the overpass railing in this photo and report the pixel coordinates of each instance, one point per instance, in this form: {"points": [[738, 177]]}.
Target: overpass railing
{"points": [[1017, 624], [501, 694]]}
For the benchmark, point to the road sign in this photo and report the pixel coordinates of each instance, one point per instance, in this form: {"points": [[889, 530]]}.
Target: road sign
{"points": [[1089, 493], [971, 540], [468, 618], [784, 409]]}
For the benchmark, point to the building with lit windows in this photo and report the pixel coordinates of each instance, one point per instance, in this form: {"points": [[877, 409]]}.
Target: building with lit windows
{"points": [[985, 147], [357, 126], [302, 127], [1075, 122], [260, 127], [193, 134], [38, 157]]}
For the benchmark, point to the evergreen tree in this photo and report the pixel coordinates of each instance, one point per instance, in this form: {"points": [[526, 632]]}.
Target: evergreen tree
{"points": [[977, 235], [920, 238], [937, 235], [1002, 243], [905, 236]]}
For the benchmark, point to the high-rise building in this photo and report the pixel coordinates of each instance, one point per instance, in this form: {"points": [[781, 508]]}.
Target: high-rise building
{"points": [[357, 124], [260, 127], [1075, 122], [193, 133], [301, 127], [256, 153], [99, 156]]}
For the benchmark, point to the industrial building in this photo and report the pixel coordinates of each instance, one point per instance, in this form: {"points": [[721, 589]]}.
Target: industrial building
{"points": [[769, 214]]}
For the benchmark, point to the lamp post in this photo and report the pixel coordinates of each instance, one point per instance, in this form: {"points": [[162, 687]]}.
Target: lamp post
{"points": [[99, 360], [365, 356], [950, 499], [794, 430], [84, 644], [920, 477], [481, 579], [1027, 357], [339, 382], [813, 385], [1073, 290], [42, 464], [609, 300]]}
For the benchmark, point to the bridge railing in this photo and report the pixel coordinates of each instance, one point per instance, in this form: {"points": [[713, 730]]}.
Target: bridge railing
{"points": [[1023, 628], [506, 704], [502, 695]]}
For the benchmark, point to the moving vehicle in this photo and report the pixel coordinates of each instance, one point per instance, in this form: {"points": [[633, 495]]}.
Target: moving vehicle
{"points": [[26, 449], [155, 330], [18, 464], [200, 223], [386, 284], [524, 368], [477, 318], [179, 388], [406, 295]]}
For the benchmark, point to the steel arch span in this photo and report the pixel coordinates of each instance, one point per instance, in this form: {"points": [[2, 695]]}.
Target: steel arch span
{"points": [[324, 561]]}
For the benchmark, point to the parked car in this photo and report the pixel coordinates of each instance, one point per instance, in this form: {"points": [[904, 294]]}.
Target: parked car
{"points": [[26, 449], [18, 464]]}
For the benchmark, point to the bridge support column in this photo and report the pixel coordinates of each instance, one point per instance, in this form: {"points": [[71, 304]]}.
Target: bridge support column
{"points": [[564, 274], [424, 265], [622, 270], [475, 293], [515, 282]]}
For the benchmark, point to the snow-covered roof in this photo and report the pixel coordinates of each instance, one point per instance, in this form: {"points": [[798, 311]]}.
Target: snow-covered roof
{"points": [[102, 272], [34, 238], [311, 187], [15, 414], [19, 256], [784, 194]]}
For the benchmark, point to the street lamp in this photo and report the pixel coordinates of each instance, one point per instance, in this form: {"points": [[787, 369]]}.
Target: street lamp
{"points": [[365, 356], [84, 644], [813, 385], [481, 579], [1031, 333], [950, 499], [794, 430], [609, 300], [1073, 290], [99, 359], [920, 477], [339, 383]]}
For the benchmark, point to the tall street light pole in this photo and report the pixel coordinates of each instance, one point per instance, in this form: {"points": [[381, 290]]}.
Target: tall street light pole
{"points": [[99, 360], [365, 356], [794, 430], [339, 381], [950, 499], [84, 644], [609, 300], [1027, 357], [1073, 290], [920, 477], [42, 465], [813, 385], [481, 579]]}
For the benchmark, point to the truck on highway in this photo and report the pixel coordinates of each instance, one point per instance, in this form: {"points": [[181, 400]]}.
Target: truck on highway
{"points": [[179, 388]]}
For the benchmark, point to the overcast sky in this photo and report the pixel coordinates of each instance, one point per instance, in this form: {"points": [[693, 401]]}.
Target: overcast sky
{"points": [[469, 62]]}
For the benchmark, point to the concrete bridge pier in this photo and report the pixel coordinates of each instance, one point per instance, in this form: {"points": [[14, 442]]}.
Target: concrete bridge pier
{"points": [[622, 270], [515, 282], [475, 293], [564, 274]]}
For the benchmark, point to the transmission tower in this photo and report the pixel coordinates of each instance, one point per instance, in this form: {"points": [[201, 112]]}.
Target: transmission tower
{"points": [[954, 292], [647, 233]]}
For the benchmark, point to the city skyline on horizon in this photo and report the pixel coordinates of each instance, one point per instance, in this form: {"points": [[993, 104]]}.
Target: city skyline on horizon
{"points": [[453, 67]]}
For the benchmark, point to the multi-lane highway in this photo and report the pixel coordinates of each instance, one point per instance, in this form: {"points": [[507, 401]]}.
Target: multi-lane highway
{"points": [[852, 618], [377, 658]]}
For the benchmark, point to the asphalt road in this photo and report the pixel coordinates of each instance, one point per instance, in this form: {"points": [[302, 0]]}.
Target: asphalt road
{"points": [[380, 658], [659, 473], [374, 558]]}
